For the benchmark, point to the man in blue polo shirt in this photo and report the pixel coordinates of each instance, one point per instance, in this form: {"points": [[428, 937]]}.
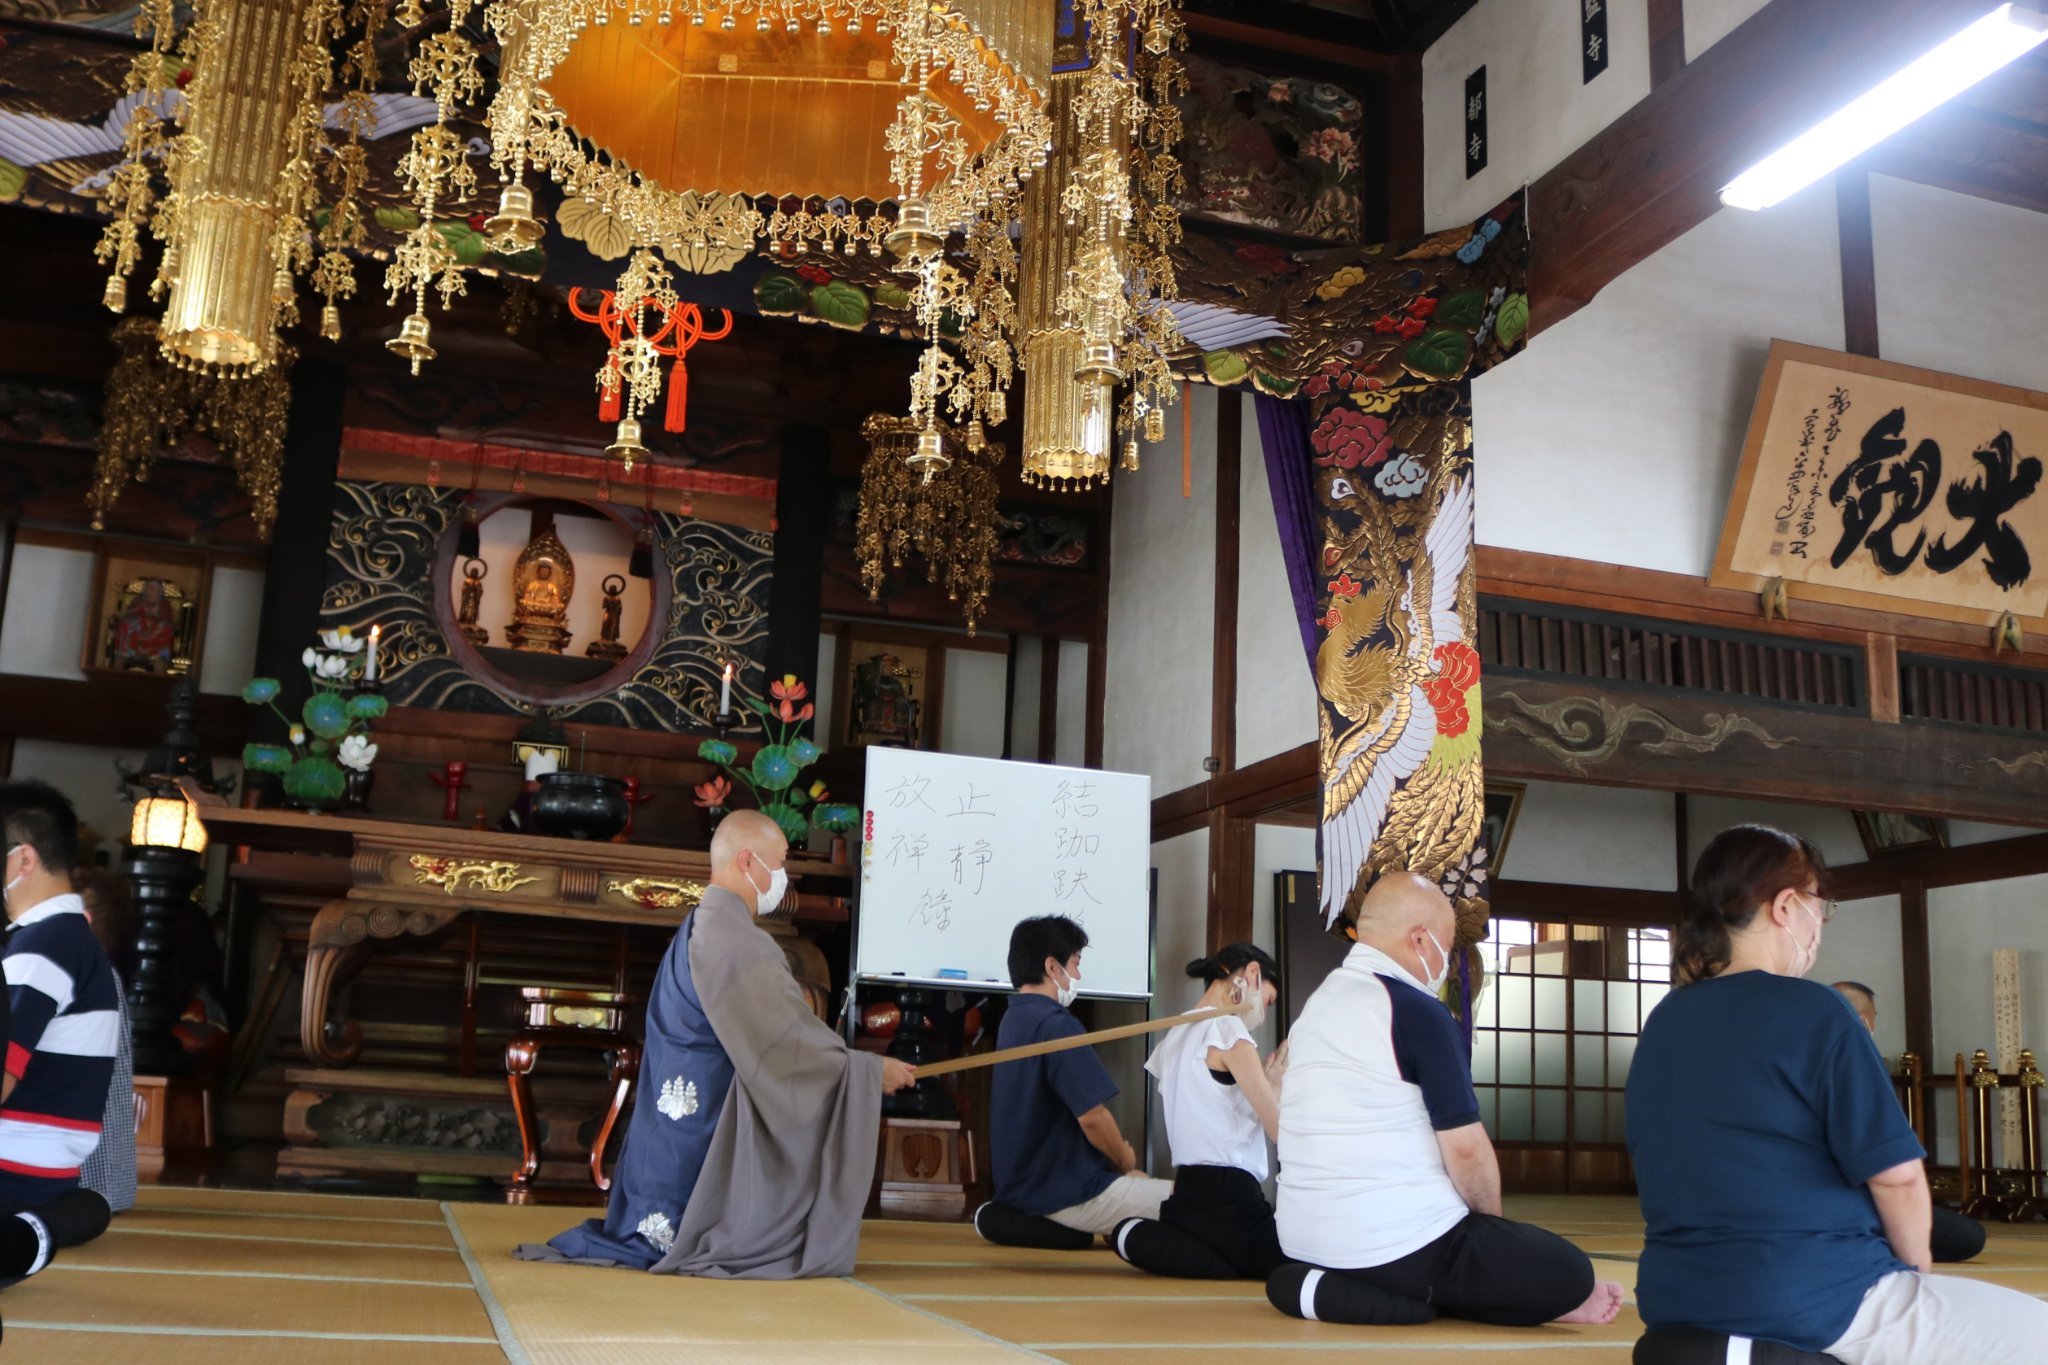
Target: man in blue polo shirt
{"points": [[1058, 1152], [63, 1028]]}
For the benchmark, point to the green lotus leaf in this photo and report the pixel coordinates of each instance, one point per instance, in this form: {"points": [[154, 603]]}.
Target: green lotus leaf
{"points": [[325, 715], [462, 239], [841, 303], [1513, 319], [778, 293], [1225, 367], [789, 819], [258, 691], [315, 779], [773, 770], [266, 758], [1466, 308], [836, 817], [1438, 353], [395, 220], [803, 752], [718, 751], [367, 706]]}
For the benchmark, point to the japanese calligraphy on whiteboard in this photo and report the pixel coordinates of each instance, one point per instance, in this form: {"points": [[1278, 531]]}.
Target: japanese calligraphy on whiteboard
{"points": [[1877, 485], [956, 850]]}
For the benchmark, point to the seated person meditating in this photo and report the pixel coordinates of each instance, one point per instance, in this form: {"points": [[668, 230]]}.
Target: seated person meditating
{"points": [[1954, 1236], [1058, 1154], [1221, 1104], [1781, 1185], [63, 1030], [1389, 1206], [752, 1143]]}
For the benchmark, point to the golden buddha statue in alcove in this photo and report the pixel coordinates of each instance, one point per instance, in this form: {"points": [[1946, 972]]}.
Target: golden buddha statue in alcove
{"points": [[543, 581]]}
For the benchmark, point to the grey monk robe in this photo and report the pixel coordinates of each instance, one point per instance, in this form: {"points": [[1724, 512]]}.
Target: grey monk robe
{"points": [[752, 1142]]}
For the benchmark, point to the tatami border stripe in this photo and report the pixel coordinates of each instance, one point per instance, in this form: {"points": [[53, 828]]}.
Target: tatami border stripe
{"points": [[136, 1331], [942, 1319], [254, 1275], [1082, 1298], [508, 1340], [1270, 1345], [295, 1241], [226, 1212]]}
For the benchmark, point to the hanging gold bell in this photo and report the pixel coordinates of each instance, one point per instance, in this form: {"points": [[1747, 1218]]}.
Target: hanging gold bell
{"points": [[330, 323], [914, 234], [411, 341], [1099, 365], [116, 297], [627, 447], [930, 457], [515, 222]]}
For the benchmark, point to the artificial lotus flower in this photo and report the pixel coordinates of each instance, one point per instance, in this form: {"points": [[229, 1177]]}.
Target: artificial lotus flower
{"points": [[356, 752], [311, 658], [818, 792], [298, 735], [788, 690], [333, 666], [712, 795], [790, 715], [342, 640]]}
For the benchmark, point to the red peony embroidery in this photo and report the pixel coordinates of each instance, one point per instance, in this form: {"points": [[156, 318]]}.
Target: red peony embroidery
{"points": [[1349, 439], [1452, 719], [1457, 664]]}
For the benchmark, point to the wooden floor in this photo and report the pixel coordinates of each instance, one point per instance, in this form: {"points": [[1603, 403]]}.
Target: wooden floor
{"points": [[215, 1276]]}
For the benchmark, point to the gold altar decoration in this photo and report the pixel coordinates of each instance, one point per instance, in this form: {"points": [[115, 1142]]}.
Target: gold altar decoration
{"points": [[543, 581], [152, 407], [1097, 268], [651, 893], [245, 172], [495, 875], [949, 518]]}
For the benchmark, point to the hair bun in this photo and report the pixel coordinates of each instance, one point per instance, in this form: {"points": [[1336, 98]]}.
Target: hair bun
{"points": [[1201, 967]]}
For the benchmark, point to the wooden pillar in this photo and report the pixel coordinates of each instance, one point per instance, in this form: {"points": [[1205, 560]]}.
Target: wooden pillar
{"points": [[1098, 642], [1914, 954], [1667, 40], [1223, 656], [803, 522], [1859, 261]]}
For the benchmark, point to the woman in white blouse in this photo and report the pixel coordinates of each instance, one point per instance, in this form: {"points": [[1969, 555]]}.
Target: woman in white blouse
{"points": [[1222, 1105]]}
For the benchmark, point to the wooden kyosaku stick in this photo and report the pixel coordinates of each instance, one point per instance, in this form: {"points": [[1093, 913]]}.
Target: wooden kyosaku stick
{"points": [[1107, 1035]]}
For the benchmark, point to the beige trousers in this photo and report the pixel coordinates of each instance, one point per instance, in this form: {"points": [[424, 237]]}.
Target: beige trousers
{"points": [[1913, 1319], [1128, 1196]]}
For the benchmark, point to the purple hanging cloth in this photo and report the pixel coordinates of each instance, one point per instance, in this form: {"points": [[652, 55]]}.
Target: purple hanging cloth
{"points": [[1283, 434]]}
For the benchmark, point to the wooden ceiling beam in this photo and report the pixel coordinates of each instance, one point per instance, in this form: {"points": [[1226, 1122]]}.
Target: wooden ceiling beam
{"points": [[1657, 171]]}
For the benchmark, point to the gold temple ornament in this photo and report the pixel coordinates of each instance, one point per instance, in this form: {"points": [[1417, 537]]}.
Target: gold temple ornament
{"points": [[651, 893], [495, 876], [947, 516]]}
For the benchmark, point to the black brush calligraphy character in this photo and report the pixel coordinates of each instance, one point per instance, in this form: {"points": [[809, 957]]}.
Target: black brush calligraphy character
{"points": [[1983, 504], [1876, 476]]}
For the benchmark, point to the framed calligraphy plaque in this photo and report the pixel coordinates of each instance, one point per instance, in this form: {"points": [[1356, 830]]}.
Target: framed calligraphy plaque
{"points": [[1876, 485]]}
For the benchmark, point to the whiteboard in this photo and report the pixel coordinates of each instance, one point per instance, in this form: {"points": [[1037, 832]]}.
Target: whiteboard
{"points": [[955, 851]]}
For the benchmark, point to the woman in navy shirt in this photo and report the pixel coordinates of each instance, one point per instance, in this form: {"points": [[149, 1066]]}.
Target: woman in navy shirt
{"points": [[1782, 1187]]}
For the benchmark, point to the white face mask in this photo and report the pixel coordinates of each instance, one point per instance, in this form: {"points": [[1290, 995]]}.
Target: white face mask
{"points": [[16, 881], [1435, 985], [1804, 955], [1071, 991], [766, 901], [1256, 994]]}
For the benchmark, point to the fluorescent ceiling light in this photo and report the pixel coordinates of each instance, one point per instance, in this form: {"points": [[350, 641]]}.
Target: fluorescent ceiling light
{"points": [[2005, 34]]}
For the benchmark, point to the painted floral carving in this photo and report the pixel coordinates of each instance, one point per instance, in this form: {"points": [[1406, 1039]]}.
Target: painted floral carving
{"points": [[1349, 439]]}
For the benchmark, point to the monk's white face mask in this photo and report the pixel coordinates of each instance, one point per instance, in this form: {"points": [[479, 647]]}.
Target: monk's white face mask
{"points": [[766, 900]]}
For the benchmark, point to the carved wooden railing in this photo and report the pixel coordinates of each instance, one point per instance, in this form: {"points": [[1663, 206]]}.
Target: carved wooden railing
{"points": [[1958, 692]]}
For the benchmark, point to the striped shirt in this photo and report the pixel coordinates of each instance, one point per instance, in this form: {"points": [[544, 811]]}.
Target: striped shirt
{"points": [[111, 1168], [64, 1034]]}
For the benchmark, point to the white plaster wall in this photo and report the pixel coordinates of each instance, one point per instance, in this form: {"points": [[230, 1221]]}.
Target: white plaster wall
{"points": [[1615, 435], [1027, 653], [1862, 944], [1709, 21], [1275, 849], [1964, 924], [1542, 110], [1276, 692], [1832, 831], [1593, 836], [1179, 936], [1161, 592], [1960, 283], [85, 773], [1070, 716], [49, 597], [227, 657], [976, 681], [1962, 833]]}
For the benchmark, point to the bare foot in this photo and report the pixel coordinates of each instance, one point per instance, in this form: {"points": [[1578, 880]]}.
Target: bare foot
{"points": [[1601, 1307]]}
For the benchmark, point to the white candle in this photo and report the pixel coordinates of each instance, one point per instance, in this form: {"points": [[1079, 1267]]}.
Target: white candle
{"points": [[725, 692], [370, 664]]}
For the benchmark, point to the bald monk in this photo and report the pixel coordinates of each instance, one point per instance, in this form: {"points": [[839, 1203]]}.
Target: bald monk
{"points": [[1389, 1200], [753, 1138], [1954, 1236]]}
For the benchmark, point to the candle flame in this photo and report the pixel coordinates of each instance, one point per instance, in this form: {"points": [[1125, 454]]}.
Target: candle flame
{"points": [[728, 672]]}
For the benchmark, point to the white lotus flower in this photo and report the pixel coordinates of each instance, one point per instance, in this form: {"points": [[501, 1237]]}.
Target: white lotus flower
{"points": [[341, 640], [298, 735], [333, 666], [311, 658], [356, 752]]}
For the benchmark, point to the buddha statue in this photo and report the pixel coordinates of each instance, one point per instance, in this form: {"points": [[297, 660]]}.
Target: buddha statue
{"points": [[544, 579], [608, 646]]}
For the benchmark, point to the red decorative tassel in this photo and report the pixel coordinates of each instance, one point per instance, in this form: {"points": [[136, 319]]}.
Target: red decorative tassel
{"points": [[608, 398], [678, 396]]}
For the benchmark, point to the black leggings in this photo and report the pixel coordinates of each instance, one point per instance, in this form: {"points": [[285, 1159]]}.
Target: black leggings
{"points": [[1216, 1225], [1485, 1269]]}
